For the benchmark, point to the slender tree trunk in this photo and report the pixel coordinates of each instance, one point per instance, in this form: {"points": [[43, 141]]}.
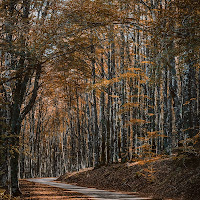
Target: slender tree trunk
{"points": [[102, 119], [122, 98], [96, 131], [89, 132]]}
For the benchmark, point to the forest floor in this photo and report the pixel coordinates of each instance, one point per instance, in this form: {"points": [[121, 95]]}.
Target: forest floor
{"points": [[176, 177]]}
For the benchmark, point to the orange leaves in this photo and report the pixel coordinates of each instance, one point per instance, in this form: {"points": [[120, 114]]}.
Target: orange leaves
{"points": [[147, 62], [89, 13], [138, 121], [134, 69], [128, 75], [141, 96], [106, 82], [154, 134], [130, 104], [190, 101], [151, 114]]}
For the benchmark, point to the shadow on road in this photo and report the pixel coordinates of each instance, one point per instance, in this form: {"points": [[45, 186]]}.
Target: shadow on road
{"points": [[90, 192], [36, 191]]}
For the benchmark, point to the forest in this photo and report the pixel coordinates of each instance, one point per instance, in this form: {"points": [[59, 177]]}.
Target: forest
{"points": [[88, 83]]}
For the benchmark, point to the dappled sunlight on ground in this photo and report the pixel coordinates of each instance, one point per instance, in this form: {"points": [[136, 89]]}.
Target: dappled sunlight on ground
{"points": [[38, 191]]}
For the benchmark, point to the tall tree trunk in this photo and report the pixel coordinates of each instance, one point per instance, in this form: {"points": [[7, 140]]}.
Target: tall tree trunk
{"points": [[122, 98], [96, 131], [78, 132], [102, 119], [89, 133]]}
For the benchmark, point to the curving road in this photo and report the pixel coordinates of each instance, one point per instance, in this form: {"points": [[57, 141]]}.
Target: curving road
{"points": [[91, 192]]}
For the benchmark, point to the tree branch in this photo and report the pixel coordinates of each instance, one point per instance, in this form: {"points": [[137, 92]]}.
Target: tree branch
{"points": [[29, 106]]}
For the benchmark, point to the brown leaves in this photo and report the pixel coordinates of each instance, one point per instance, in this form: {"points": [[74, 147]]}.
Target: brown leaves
{"points": [[89, 14]]}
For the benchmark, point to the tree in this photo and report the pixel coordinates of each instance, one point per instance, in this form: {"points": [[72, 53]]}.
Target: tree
{"points": [[22, 61]]}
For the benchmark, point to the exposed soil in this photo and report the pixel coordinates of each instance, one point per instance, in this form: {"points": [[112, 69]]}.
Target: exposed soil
{"points": [[36, 191], [175, 178]]}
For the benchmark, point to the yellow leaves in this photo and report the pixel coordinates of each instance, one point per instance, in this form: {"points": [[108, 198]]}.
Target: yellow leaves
{"points": [[147, 62], [151, 114], [141, 76], [145, 146], [135, 69], [193, 99], [150, 106], [127, 107], [143, 21], [196, 138], [140, 96], [128, 75], [191, 144], [153, 134], [188, 102], [144, 56], [89, 13], [143, 81], [149, 170], [138, 121], [145, 161], [105, 82], [130, 104], [114, 96]]}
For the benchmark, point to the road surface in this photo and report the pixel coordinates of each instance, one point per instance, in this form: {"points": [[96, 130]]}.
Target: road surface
{"points": [[91, 192]]}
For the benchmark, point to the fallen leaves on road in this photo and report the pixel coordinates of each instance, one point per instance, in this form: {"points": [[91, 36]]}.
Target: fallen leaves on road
{"points": [[37, 191]]}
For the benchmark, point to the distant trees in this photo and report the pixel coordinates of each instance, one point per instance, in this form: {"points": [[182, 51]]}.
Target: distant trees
{"points": [[138, 90]]}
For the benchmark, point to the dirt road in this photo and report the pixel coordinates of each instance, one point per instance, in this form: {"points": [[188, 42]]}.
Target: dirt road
{"points": [[37, 191], [92, 193]]}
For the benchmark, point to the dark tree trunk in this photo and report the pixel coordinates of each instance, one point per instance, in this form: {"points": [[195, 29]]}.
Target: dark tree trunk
{"points": [[96, 130]]}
